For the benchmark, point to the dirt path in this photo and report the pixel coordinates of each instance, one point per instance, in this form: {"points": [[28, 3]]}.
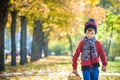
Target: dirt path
{"points": [[47, 73], [44, 69], [51, 76]]}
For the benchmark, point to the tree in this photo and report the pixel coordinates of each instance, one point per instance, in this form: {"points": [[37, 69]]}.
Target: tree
{"points": [[18, 7], [111, 37], [23, 41], [37, 12], [13, 38], [4, 6], [112, 22], [62, 19], [37, 42], [23, 47]]}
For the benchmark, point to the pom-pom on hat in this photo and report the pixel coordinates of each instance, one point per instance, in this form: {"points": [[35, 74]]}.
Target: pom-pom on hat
{"points": [[90, 24]]}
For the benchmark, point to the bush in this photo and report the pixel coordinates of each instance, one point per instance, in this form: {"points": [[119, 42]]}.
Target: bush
{"points": [[59, 49]]}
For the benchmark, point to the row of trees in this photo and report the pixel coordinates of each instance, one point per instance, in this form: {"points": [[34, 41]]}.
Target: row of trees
{"points": [[47, 20], [111, 28], [32, 11], [3, 19]]}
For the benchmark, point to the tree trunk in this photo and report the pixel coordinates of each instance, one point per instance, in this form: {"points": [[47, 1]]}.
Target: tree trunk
{"points": [[109, 45], [46, 41], [45, 44], [46, 51], [4, 5], [23, 46], [3, 20], [13, 40], [37, 41], [71, 46]]}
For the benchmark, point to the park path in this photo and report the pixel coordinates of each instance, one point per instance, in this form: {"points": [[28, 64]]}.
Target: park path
{"points": [[52, 73], [59, 74]]}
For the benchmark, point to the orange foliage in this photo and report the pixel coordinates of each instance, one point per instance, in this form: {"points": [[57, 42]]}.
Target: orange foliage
{"points": [[98, 13]]}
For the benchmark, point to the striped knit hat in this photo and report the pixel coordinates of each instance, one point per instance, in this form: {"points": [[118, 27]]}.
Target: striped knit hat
{"points": [[90, 24]]}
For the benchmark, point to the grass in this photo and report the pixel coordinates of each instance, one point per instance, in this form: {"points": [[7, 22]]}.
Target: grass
{"points": [[52, 64], [44, 64], [113, 66]]}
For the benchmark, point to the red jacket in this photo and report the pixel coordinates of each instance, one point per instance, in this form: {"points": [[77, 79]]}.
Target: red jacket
{"points": [[79, 49]]}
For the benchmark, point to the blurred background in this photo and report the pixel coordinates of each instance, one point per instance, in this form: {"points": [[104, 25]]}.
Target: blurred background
{"points": [[37, 31]]}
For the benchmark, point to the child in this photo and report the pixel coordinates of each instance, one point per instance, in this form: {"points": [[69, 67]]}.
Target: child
{"points": [[90, 50]]}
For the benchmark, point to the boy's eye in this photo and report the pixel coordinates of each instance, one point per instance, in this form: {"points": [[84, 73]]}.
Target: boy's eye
{"points": [[92, 33]]}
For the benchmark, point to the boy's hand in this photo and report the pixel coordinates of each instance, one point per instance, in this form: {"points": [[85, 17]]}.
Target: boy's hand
{"points": [[104, 68], [74, 71]]}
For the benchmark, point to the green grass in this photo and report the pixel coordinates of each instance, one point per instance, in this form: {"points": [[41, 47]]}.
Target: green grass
{"points": [[113, 66], [56, 63]]}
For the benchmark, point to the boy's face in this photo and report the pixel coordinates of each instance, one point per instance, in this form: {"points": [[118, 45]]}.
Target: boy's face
{"points": [[90, 34]]}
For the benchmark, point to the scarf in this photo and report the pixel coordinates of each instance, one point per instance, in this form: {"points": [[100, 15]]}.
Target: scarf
{"points": [[89, 53]]}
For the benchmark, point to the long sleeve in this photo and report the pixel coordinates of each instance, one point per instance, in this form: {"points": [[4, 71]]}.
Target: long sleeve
{"points": [[102, 55], [76, 55]]}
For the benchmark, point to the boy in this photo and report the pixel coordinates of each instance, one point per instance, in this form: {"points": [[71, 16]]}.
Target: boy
{"points": [[90, 50]]}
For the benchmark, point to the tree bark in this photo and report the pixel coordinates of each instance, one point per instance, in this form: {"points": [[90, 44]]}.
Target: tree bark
{"points": [[37, 41], [13, 39], [45, 44], [46, 51], [4, 5], [23, 46], [109, 45], [2, 29], [46, 41], [71, 46]]}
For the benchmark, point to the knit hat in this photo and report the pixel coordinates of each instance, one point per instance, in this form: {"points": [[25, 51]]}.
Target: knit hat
{"points": [[90, 24]]}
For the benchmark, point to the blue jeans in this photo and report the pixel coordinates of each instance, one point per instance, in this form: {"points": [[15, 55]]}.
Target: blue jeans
{"points": [[91, 74]]}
